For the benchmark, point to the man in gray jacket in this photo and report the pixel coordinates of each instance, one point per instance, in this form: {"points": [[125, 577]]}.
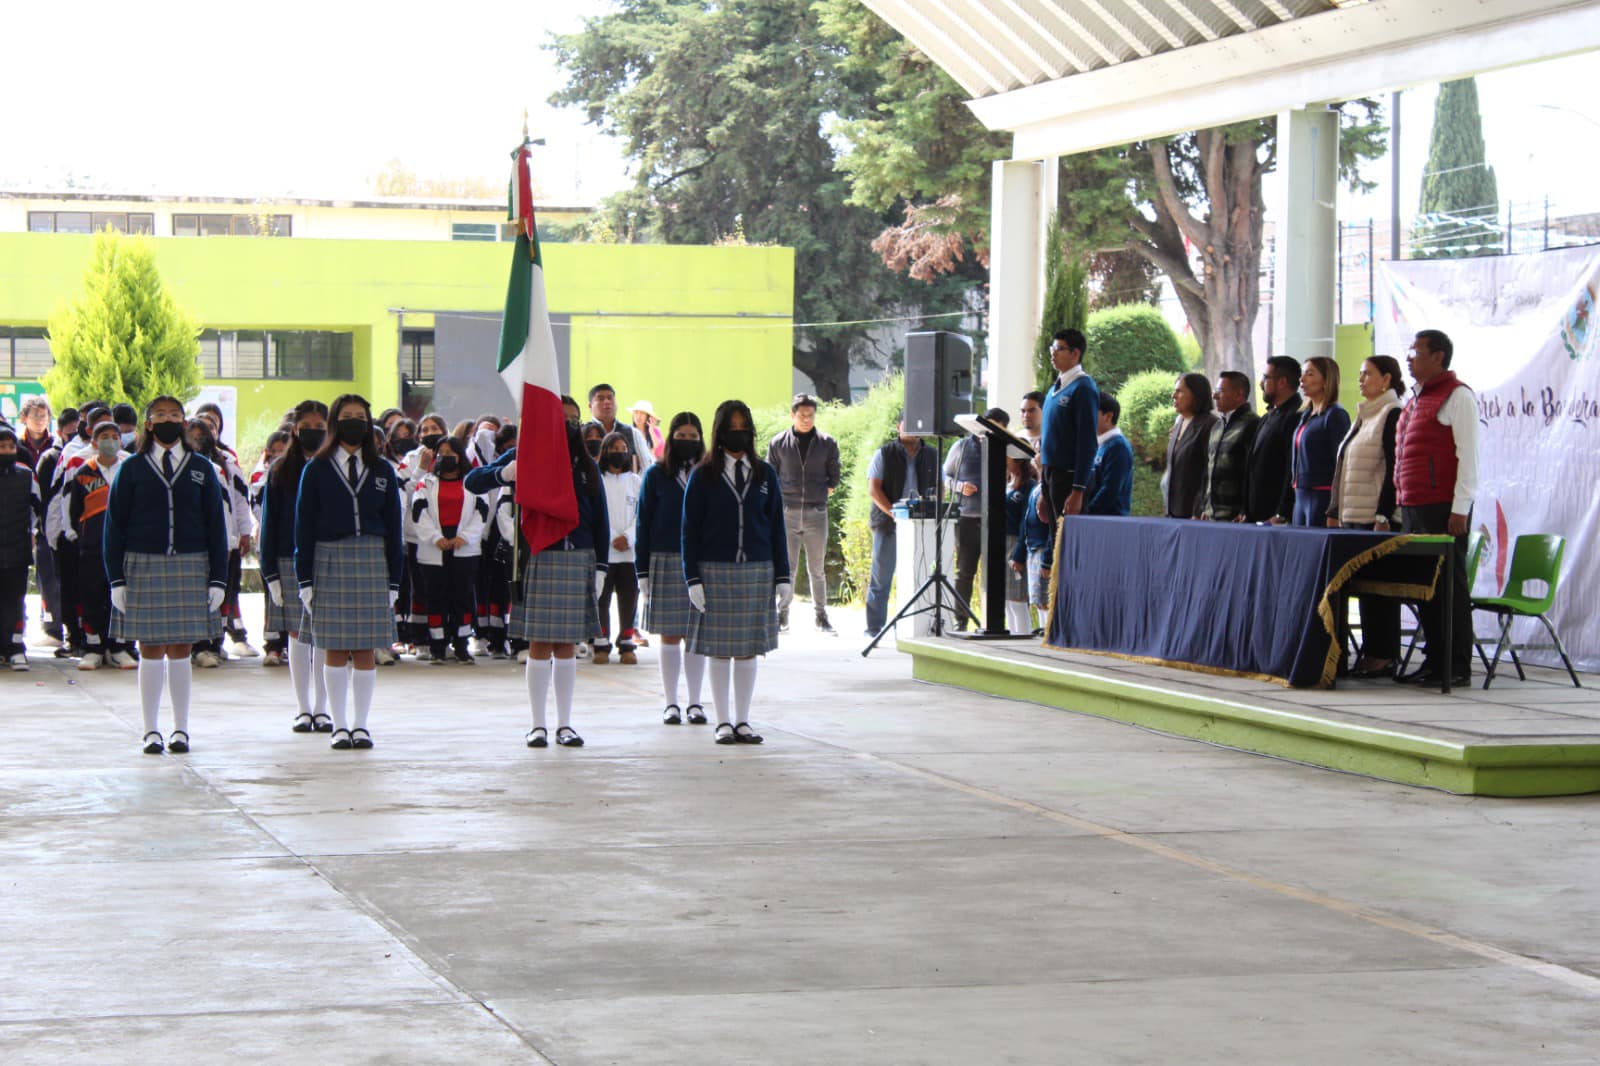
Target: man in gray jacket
{"points": [[807, 462]]}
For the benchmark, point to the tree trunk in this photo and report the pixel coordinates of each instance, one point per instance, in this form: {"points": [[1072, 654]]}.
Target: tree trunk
{"points": [[827, 364]]}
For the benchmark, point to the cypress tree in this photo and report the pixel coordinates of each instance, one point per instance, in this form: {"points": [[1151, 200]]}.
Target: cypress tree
{"points": [[1066, 300], [124, 339], [1459, 212]]}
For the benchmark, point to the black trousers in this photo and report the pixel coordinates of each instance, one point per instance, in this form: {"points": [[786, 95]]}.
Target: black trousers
{"points": [[451, 589], [623, 580], [13, 608], [409, 607], [94, 592], [49, 584], [68, 601], [1434, 518], [969, 547], [1380, 619], [232, 622]]}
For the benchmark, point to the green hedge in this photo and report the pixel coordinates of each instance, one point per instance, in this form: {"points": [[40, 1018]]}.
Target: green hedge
{"points": [[1127, 339], [1144, 394]]}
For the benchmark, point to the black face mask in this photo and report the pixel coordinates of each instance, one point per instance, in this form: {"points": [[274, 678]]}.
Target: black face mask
{"points": [[403, 445], [619, 461], [8, 461], [431, 441], [353, 430], [593, 446], [446, 465], [687, 451], [311, 440], [166, 432], [738, 440]]}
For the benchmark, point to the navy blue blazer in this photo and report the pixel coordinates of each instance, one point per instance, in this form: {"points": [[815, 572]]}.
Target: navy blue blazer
{"points": [[1035, 534], [1110, 489], [660, 525], [144, 514], [1071, 424], [720, 528], [277, 523], [326, 509], [593, 530], [1316, 447]]}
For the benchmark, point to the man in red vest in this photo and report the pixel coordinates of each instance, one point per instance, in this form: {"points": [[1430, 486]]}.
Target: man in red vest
{"points": [[1436, 477]]}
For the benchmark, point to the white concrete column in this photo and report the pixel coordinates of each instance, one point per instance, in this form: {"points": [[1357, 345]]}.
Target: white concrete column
{"points": [[1017, 228], [1307, 233]]}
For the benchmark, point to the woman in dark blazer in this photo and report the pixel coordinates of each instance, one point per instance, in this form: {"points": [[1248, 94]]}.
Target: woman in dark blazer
{"points": [[1323, 425], [1186, 446]]}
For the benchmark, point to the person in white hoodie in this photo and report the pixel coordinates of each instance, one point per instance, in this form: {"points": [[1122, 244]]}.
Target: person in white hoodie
{"points": [[621, 484], [449, 523], [411, 613]]}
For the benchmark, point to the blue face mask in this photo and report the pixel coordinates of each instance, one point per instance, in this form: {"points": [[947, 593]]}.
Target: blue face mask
{"points": [[128, 439]]}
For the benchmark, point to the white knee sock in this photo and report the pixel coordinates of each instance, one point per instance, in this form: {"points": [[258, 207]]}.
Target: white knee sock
{"points": [[566, 673], [1017, 619], [338, 678], [152, 679], [300, 669], [671, 666], [179, 674], [721, 669], [319, 683], [363, 682], [694, 673], [538, 677], [744, 687]]}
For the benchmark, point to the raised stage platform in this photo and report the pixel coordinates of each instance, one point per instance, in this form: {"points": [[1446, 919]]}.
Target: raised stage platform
{"points": [[1539, 737]]}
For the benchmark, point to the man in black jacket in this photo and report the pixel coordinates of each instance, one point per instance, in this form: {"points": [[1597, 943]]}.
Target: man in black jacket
{"points": [[807, 462], [1270, 452], [1228, 451], [902, 468]]}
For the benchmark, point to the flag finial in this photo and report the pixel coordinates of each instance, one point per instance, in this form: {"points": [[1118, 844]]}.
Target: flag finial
{"points": [[524, 125]]}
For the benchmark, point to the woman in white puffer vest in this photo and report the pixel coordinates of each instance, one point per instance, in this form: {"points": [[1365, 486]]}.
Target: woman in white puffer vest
{"points": [[1364, 498]]}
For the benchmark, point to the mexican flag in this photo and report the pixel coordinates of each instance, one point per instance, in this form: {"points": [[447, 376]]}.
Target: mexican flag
{"points": [[544, 494]]}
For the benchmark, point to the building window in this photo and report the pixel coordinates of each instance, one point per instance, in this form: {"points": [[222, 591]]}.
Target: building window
{"points": [[90, 222], [24, 353], [416, 354], [306, 355], [231, 225], [474, 231]]}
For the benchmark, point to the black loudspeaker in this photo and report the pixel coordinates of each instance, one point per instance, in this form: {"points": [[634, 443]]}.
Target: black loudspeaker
{"points": [[938, 383]]}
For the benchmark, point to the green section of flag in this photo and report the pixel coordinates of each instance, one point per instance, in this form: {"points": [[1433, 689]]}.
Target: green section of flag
{"points": [[514, 326]]}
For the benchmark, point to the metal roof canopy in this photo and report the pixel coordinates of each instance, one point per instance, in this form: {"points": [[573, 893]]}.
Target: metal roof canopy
{"points": [[1067, 76]]}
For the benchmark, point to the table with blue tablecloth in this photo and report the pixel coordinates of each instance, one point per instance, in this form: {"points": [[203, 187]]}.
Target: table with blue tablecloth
{"points": [[1222, 597]]}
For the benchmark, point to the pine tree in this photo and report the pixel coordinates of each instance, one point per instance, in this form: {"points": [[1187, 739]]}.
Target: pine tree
{"points": [[124, 340], [1066, 300], [1459, 212]]}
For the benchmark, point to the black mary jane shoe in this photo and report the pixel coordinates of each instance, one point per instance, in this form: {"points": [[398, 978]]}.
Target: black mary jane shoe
{"points": [[1374, 673], [568, 737], [341, 740], [178, 742], [748, 735], [360, 738], [537, 738], [696, 714], [322, 723], [153, 746], [304, 723], [673, 715], [724, 734]]}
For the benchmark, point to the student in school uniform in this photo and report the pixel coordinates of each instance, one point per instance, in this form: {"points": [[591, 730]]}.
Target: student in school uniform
{"points": [[658, 543], [20, 509], [236, 494], [1034, 553], [1019, 486], [621, 483], [349, 552], [411, 612], [449, 522], [559, 587], [494, 569], [284, 609], [736, 565], [88, 492], [166, 556], [275, 642]]}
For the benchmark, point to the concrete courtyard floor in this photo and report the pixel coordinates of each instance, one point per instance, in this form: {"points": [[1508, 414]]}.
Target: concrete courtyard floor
{"points": [[902, 874]]}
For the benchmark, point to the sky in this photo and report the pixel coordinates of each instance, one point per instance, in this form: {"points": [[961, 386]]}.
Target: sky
{"points": [[312, 99]]}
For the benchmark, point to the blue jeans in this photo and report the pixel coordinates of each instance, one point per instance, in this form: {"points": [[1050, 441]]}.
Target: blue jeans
{"points": [[1311, 507], [883, 560]]}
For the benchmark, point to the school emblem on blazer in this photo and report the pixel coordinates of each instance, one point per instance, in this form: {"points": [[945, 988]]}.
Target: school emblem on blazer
{"points": [[197, 476], [382, 483]]}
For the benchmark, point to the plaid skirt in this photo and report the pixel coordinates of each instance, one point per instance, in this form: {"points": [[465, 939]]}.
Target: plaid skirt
{"points": [[281, 617], [167, 600], [741, 616], [1016, 584], [350, 605], [671, 614], [557, 598]]}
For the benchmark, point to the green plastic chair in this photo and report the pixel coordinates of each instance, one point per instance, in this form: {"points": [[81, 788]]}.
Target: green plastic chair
{"points": [[1476, 543], [1534, 557]]}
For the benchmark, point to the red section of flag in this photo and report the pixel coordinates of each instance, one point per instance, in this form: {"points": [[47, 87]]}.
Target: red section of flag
{"points": [[544, 470]]}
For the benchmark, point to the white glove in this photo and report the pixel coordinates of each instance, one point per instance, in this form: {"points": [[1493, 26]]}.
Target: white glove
{"points": [[644, 588], [697, 597], [119, 599], [785, 595], [394, 598], [305, 596], [275, 590], [214, 597], [599, 583], [69, 534], [508, 473]]}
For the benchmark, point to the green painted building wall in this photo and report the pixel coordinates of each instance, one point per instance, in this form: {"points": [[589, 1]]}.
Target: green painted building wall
{"points": [[684, 327]]}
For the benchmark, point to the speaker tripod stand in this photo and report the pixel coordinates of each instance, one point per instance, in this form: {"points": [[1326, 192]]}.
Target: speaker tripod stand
{"points": [[937, 584]]}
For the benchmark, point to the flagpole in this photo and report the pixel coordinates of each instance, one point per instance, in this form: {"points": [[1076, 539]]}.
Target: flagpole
{"points": [[518, 227]]}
